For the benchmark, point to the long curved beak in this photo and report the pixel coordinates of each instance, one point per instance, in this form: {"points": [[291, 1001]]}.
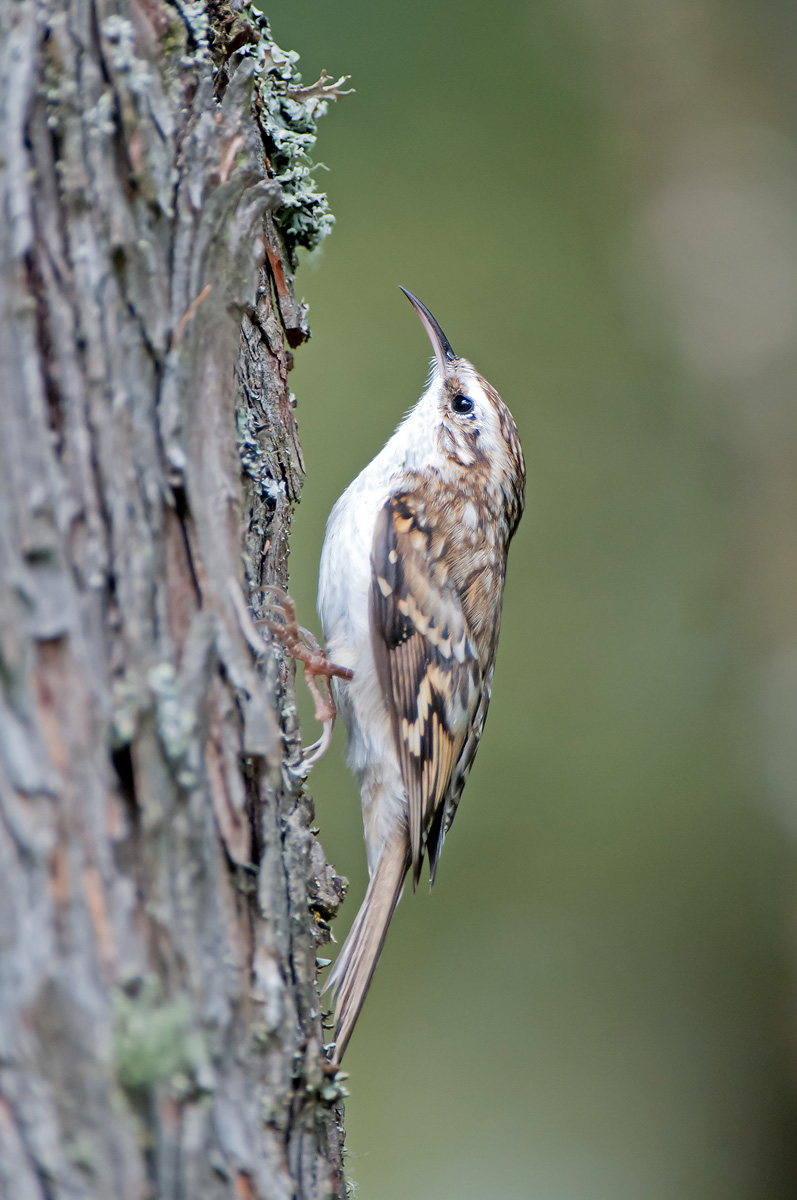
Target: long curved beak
{"points": [[440, 343]]}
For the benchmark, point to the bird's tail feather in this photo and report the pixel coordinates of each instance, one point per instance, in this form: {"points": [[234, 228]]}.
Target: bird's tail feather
{"points": [[354, 968]]}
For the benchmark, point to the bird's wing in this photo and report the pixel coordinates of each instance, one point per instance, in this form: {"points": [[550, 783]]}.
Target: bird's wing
{"points": [[426, 660], [441, 822]]}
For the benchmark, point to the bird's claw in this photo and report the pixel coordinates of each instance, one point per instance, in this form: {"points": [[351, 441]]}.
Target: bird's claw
{"points": [[302, 646], [311, 754]]}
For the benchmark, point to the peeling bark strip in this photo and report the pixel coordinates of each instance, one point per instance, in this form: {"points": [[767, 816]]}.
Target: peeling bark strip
{"points": [[162, 895]]}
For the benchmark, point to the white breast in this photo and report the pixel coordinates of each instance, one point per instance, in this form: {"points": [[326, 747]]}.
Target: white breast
{"points": [[344, 606], [344, 577], [344, 602]]}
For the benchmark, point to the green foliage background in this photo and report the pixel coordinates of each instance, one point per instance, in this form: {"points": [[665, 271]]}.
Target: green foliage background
{"points": [[596, 198]]}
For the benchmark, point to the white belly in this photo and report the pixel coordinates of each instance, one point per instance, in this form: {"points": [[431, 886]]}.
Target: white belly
{"points": [[344, 586]]}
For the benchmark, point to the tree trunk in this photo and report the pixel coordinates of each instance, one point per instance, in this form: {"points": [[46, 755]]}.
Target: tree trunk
{"points": [[162, 894]]}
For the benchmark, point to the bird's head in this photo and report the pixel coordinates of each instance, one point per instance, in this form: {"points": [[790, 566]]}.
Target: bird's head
{"points": [[475, 430]]}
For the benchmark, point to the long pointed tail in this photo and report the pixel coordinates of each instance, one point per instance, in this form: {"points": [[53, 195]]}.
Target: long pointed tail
{"points": [[355, 965]]}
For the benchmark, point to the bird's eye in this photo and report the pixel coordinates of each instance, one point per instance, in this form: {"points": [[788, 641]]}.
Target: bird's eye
{"points": [[462, 404]]}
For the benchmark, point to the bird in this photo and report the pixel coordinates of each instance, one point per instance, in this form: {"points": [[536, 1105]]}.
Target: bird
{"points": [[411, 584]]}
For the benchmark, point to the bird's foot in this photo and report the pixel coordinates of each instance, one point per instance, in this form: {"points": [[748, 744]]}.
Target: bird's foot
{"points": [[318, 670]]}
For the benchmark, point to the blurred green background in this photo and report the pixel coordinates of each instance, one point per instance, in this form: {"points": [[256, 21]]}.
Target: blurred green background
{"points": [[598, 201]]}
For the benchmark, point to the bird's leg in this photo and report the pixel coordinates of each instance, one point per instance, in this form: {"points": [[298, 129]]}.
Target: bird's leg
{"points": [[302, 646]]}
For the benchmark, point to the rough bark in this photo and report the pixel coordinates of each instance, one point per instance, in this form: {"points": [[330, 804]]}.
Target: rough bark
{"points": [[162, 894]]}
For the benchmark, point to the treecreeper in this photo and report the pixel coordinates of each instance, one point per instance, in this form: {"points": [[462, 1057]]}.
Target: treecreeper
{"points": [[410, 591]]}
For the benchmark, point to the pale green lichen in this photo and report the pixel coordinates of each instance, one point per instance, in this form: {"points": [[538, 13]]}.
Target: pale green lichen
{"points": [[176, 721], [155, 1042], [288, 113], [119, 37], [333, 1090], [82, 1153], [195, 16], [127, 704]]}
